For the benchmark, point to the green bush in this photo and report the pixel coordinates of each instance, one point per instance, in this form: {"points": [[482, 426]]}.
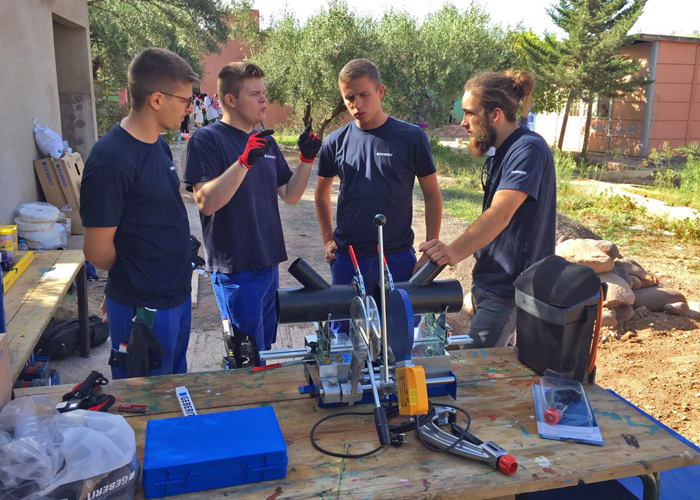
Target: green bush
{"points": [[564, 165], [457, 164]]}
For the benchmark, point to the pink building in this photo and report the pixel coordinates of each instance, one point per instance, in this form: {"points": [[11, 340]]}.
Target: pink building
{"points": [[666, 110], [277, 116]]}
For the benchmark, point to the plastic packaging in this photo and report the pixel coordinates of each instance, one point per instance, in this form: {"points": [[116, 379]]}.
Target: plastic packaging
{"points": [[563, 410], [48, 141], [565, 402], [25, 227], [48, 239], [45, 451], [39, 211]]}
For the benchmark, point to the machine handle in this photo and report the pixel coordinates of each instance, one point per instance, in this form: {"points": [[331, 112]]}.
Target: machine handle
{"points": [[354, 259]]}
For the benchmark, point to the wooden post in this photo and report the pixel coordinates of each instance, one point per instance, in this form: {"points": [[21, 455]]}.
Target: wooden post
{"points": [[83, 313]]}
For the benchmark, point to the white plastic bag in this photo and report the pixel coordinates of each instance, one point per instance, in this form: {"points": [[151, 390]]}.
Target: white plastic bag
{"points": [[46, 454], [48, 141]]}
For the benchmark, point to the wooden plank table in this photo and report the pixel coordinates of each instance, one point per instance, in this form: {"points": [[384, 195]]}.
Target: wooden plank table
{"points": [[32, 300], [493, 386]]}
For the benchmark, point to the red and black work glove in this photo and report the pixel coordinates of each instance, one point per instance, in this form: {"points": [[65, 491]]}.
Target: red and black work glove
{"points": [[87, 395], [143, 345], [309, 144], [256, 146]]}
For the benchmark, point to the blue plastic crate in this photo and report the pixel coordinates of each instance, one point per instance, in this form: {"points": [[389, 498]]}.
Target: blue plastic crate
{"points": [[215, 450]]}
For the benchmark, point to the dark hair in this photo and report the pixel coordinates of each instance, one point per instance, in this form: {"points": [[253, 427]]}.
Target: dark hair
{"points": [[510, 91], [232, 75], [155, 70], [358, 68]]}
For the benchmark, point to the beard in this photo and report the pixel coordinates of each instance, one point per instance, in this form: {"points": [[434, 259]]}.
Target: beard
{"points": [[482, 138]]}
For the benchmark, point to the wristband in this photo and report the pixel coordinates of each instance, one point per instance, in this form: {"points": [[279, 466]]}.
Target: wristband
{"points": [[243, 164], [305, 160]]}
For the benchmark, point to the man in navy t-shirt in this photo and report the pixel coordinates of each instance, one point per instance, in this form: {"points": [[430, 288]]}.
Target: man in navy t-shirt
{"points": [[517, 226], [135, 221], [377, 159], [236, 174]]}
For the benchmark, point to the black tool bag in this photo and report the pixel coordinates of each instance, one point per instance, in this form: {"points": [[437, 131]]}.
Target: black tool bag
{"points": [[557, 305], [60, 341]]}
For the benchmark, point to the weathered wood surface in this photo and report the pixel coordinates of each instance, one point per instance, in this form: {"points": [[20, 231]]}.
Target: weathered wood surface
{"points": [[493, 387], [33, 298]]}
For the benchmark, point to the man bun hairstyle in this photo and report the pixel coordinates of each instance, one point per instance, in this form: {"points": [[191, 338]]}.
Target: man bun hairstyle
{"points": [[359, 68], [510, 91], [231, 77], [154, 70]]}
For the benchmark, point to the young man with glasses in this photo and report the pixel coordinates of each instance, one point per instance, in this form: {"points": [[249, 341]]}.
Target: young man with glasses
{"points": [[136, 225], [517, 225]]}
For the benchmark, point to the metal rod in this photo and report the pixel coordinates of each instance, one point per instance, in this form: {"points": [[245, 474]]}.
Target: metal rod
{"points": [[428, 381], [379, 221]]}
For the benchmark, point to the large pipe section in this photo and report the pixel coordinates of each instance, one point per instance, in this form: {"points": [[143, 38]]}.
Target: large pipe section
{"points": [[317, 299]]}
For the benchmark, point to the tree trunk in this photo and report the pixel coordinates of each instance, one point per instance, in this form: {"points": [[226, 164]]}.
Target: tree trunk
{"points": [[587, 131], [338, 109], [569, 100]]}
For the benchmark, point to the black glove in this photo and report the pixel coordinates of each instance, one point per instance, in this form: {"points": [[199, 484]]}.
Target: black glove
{"points": [[256, 146], [142, 344], [309, 144]]}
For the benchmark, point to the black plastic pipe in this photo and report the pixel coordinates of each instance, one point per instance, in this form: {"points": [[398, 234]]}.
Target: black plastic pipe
{"points": [[431, 298], [302, 305], [306, 275]]}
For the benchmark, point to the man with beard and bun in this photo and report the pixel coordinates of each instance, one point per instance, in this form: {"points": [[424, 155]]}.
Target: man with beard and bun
{"points": [[517, 225]]}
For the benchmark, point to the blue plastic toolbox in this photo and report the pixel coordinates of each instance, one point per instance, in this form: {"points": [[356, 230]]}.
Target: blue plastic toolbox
{"points": [[215, 450]]}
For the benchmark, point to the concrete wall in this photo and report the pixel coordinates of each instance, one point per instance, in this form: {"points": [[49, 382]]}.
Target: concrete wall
{"points": [[33, 86], [676, 106]]}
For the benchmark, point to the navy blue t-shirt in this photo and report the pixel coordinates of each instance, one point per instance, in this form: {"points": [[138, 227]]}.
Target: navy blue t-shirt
{"points": [[134, 186], [246, 233], [377, 170], [524, 163]]}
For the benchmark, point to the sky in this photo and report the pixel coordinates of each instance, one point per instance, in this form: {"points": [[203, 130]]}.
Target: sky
{"points": [[660, 17]]}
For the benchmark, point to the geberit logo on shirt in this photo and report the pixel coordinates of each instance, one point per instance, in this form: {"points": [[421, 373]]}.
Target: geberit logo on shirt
{"points": [[271, 157], [384, 154]]}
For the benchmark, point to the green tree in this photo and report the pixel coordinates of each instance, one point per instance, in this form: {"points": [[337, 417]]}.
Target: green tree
{"points": [[453, 46], [302, 63], [587, 62], [423, 65], [540, 58], [119, 29]]}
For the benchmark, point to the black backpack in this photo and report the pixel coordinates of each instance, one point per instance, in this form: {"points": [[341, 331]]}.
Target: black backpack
{"points": [[60, 341]]}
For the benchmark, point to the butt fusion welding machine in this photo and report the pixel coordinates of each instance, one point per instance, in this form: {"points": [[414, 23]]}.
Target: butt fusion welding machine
{"points": [[383, 357]]}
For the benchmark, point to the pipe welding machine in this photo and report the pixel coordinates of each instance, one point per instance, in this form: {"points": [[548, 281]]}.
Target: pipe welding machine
{"points": [[384, 357]]}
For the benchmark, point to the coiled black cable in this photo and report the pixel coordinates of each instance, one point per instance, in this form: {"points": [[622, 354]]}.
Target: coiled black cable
{"points": [[396, 430]]}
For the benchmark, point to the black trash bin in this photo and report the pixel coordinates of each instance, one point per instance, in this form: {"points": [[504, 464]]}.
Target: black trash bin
{"points": [[557, 306]]}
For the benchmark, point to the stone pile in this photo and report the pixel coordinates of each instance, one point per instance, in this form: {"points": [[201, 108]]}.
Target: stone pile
{"points": [[630, 287]]}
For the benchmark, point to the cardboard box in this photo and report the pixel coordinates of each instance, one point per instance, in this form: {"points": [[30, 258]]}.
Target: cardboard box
{"points": [[48, 178], [76, 223], [70, 172], [5, 377]]}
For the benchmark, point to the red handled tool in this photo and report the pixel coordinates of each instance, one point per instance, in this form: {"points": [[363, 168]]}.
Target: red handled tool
{"points": [[359, 282]]}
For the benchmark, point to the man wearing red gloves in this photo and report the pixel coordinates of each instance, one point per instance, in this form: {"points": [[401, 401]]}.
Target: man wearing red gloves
{"points": [[236, 174]]}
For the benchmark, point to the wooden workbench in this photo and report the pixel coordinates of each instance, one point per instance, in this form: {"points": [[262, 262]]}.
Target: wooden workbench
{"points": [[493, 386], [32, 300]]}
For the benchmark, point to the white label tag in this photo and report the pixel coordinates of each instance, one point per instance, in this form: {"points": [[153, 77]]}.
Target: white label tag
{"points": [[186, 404]]}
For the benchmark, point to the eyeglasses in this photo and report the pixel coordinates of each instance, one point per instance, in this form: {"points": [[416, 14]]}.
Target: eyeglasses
{"points": [[187, 100]]}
